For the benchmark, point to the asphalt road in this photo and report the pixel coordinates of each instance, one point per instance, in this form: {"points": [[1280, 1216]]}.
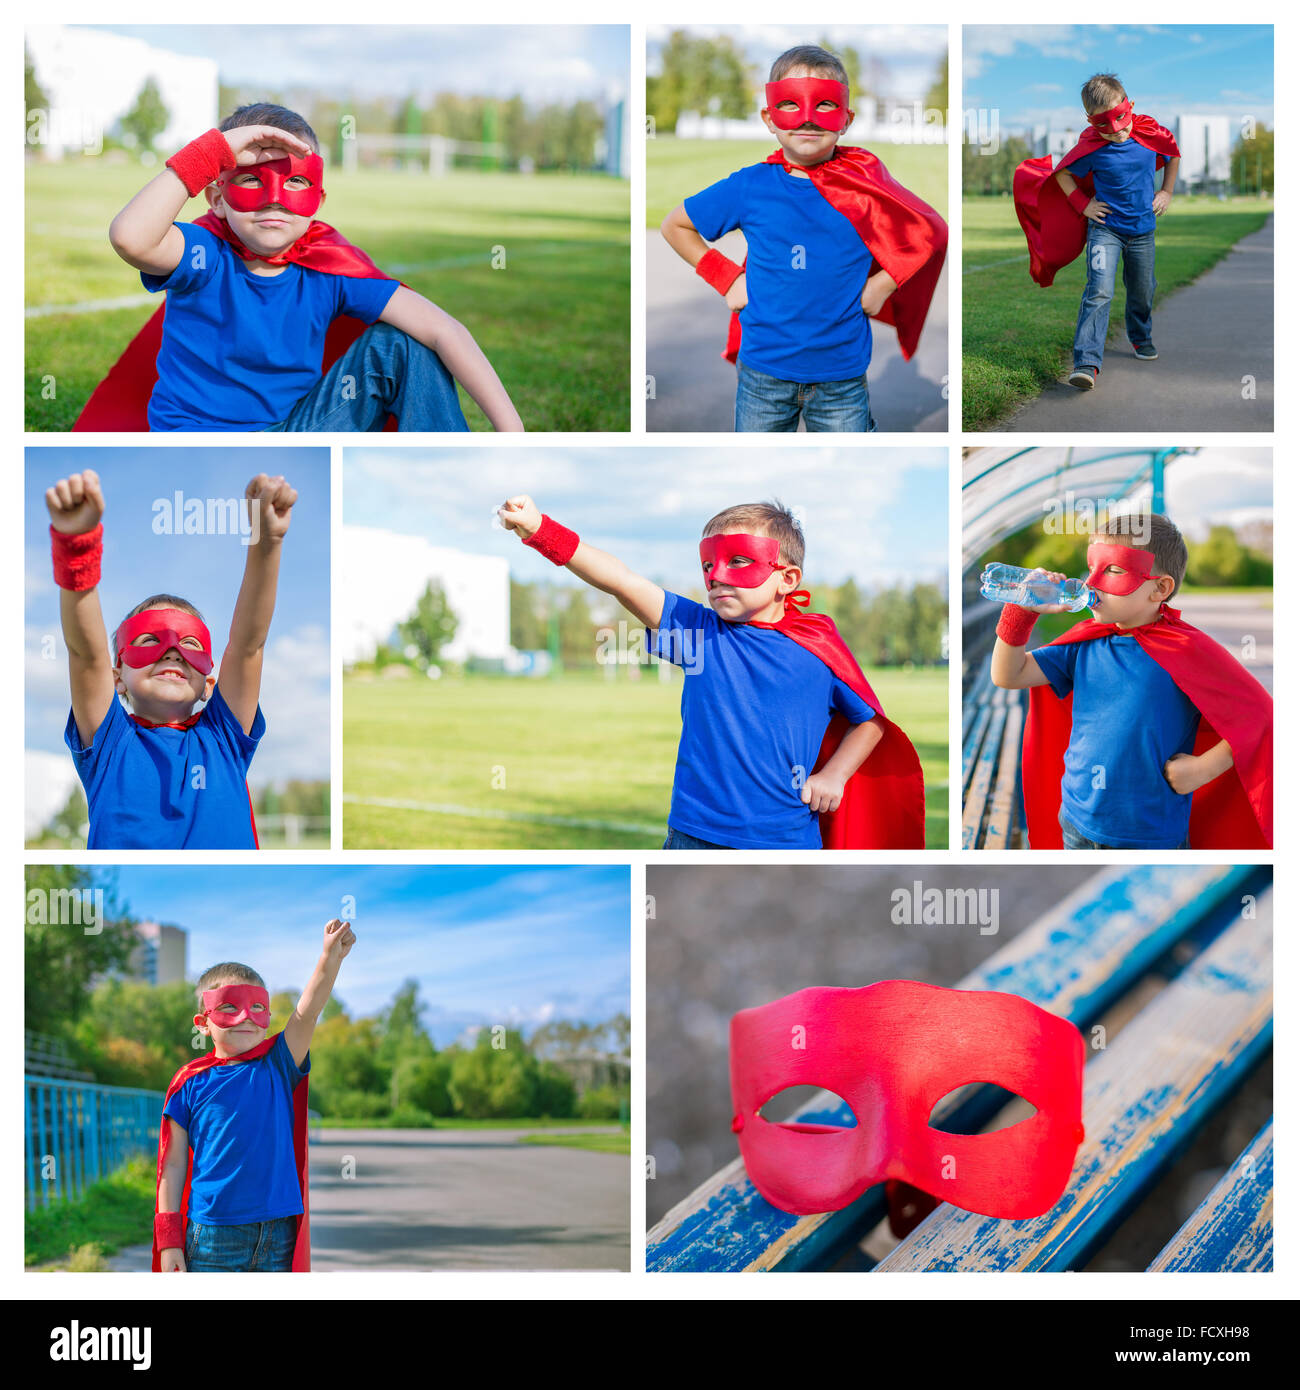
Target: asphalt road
{"points": [[1210, 335], [1240, 623], [459, 1199], [694, 389]]}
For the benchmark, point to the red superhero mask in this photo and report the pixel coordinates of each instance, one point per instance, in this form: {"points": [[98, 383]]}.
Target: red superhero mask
{"points": [[274, 174], [1137, 565], [892, 1050], [169, 626], [250, 1002], [719, 554], [1114, 119], [808, 93]]}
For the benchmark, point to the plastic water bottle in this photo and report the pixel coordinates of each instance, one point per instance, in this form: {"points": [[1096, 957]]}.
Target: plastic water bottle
{"points": [[1011, 584]]}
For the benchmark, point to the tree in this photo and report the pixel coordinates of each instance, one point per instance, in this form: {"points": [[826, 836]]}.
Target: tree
{"points": [[34, 101], [431, 626], [936, 99], [148, 118], [1220, 560], [709, 75], [1252, 162]]}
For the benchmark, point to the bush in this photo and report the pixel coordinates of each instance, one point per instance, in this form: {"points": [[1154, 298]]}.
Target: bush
{"points": [[356, 1105], [599, 1103], [411, 1117]]}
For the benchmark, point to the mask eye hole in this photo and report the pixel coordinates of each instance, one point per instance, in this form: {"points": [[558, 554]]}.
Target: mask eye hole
{"points": [[1012, 1109], [791, 1100]]}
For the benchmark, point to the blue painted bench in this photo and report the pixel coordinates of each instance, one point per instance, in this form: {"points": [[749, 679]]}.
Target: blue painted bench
{"points": [[993, 721], [1147, 1092]]}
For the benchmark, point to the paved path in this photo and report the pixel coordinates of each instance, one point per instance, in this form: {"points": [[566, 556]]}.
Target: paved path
{"points": [[1210, 335], [686, 330], [1231, 619], [426, 1199]]}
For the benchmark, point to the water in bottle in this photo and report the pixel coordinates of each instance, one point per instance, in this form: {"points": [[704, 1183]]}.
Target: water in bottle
{"points": [[1011, 584]]}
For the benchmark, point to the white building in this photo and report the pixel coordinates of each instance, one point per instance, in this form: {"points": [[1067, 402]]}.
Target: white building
{"points": [[385, 575], [1205, 143], [92, 79]]}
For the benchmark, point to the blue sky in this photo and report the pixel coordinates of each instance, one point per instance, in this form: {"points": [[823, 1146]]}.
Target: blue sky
{"points": [[205, 569], [487, 943], [1033, 74], [554, 62], [908, 55], [877, 515]]}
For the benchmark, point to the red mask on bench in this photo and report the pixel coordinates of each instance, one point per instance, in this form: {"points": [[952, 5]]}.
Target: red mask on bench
{"points": [[274, 174], [250, 1002], [1114, 119], [891, 1050], [169, 626], [808, 93], [1137, 564], [722, 552]]}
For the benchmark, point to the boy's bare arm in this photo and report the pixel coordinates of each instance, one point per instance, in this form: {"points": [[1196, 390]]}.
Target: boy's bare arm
{"points": [[76, 504], [679, 232], [822, 791], [339, 940], [1165, 193], [1095, 211], [171, 1186], [1186, 772], [643, 598], [270, 501], [1013, 668], [461, 355]]}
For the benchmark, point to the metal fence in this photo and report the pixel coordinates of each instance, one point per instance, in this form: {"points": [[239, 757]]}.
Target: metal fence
{"points": [[77, 1132]]}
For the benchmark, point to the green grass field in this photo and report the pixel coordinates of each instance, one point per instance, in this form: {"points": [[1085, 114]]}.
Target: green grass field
{"points": [[674, 169], [577, 746], [116, 1211], [1017, 337], [554, 322], [607, 1143]]}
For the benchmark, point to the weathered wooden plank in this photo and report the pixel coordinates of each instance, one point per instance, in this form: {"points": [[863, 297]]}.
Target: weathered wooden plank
{"points": [[1145, 1097], [1075, 960], [977, 794], [1232, 1229], [972, 744], [1004, 808]]}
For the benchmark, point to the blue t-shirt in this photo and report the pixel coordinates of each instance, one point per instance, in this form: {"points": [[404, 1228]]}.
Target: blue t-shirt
{"points": [[240, 350], [240, 1121], [1129, 720], [804, 276], [1123, 177], [168, 788], [755, 706]]}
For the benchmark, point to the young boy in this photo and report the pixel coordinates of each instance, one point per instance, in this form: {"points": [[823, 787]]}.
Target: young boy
{"points": [[232, 1152], [162, 777], [777, 717], [254, 285], [1148, 715], [1107, 181], [832, 242]]}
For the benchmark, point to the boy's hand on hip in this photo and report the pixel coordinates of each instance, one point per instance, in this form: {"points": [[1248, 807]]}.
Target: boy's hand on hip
{"points": [[273, 500], [520, 515], [76, 503], [877, 290], [1185, 773], [255, 144], [737, 295], [339, 939], [172, 1262], [1160, 202], [822, 792], [1096, 211]]}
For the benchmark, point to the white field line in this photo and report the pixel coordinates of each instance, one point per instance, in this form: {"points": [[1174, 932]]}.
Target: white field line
{"points": [[91, 306], [436, 808], [992, 265]]}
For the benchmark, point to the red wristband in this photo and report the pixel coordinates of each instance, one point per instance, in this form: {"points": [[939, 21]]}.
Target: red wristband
{"points": [[718, 271], [554, 541], [199, 163], [76, 558], [1015, 624], [1079, 199], [169, 1230]]}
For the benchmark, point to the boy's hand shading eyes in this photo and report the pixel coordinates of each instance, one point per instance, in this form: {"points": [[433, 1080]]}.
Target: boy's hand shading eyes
{"points": [[274, 499], [255, 144], [76, 503], [521, 515], [737, 295]]}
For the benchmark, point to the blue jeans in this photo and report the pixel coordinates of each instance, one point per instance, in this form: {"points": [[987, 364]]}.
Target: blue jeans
{"points": [[1071, 838], [679, 839], [385, 372], [1104, 250], [768, 405], [261, 1247]]}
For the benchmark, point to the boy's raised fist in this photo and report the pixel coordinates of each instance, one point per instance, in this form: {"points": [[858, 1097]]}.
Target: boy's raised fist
{"points": [[273, 498], [76, 503], [521, 515], [339, 938]]}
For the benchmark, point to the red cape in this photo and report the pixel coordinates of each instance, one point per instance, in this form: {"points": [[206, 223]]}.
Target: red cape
{"points": [[1056, 233], [121, 401], [302, 1250], [883, 806], [1235, 811], [906, 237]]}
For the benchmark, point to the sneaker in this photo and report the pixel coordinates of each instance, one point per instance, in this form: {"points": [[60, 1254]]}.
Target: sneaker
{"points": [[1085, 378], [1146, 353]]}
